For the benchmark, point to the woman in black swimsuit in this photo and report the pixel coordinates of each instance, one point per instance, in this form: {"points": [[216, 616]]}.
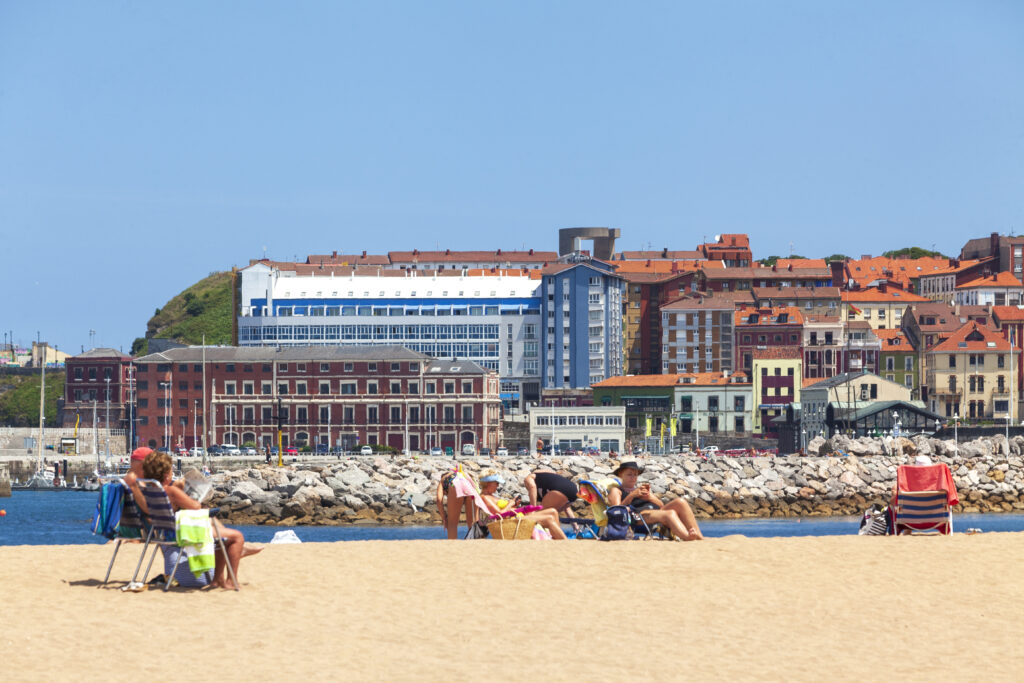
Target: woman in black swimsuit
{"points": [[550, 490]]}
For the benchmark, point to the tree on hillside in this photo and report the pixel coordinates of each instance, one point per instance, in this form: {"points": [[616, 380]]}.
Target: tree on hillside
{"points": [[912, 253], [19, 407]]}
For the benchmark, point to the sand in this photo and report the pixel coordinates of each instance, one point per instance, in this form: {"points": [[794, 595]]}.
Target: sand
{"points": [[844, 608]]}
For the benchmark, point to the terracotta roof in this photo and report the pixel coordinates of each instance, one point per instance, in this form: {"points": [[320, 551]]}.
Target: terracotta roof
{"points": [[451, 256], [796, 273], [972, 337], [701, 303], [768, 316], [1008, 313], [796, 293], [902, 270], [671, 380], [777, 353], [1003, 279], [664, 254], [960, 266], [893, 339], [800, 263], [335, 258], [874, 294], [730, 240], [664, 267], [719, 273]]}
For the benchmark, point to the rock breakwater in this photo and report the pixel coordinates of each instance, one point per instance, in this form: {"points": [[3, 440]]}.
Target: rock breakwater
{"points": [[989, 474]]}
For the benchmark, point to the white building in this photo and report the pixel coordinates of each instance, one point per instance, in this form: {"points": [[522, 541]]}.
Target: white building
{"points": [[1001, 289], [578, 427]]}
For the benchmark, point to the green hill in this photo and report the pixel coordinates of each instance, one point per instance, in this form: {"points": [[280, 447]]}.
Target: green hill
{"points": [[19, 398], [205, 308]]}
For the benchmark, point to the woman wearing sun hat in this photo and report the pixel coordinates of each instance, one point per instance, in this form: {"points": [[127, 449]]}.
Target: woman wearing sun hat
{"points": [[676, 515], [547, 518]]}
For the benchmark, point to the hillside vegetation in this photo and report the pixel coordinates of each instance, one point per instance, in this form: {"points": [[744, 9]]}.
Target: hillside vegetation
{"points": [[202, 309], [19, 398]]}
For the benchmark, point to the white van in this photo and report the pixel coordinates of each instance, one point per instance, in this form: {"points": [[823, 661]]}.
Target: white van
{"points": [[469, 449]]}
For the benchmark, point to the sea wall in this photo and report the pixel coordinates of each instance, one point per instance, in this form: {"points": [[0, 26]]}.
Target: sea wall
{"points": [[989, 474]]}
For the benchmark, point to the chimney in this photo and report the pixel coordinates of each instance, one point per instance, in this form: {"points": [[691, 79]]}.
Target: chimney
{"points": [[837, 268], [499, 251], [334, 254], [364, 253], [775, 267], [415, 252], [664, 253], [531, 252], [881, 288], [447, 252], [791, 267], [648, 263]]}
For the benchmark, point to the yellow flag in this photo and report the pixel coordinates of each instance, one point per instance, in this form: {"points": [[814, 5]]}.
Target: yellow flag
{"points": [[672, 424], [648, 427], [662, 434]]}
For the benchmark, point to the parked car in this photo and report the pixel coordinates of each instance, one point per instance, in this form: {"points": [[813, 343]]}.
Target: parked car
{"points": [[710, 450], [365, 450], [436, 450], [180, 450], [232, 449], [214, 449], [522, 450], [196, 452], [322, 449], [249, 450], [502, 451], [469, 449]]}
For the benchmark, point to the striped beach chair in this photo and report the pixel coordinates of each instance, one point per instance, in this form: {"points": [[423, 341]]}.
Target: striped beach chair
{"points": [[161, 532], [131, 528], [922, 512]]}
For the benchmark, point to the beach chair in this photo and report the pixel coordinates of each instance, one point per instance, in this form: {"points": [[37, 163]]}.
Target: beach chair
{"points": [[131, 527], [924, 500], [162, 532], [595, 493]]}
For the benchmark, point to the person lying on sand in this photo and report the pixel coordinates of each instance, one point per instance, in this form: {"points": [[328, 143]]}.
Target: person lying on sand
{"points": [[676, 515], [157, 466], [547, 518]]}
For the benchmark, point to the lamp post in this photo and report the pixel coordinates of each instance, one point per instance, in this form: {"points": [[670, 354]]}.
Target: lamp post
{"points": [[107, 380], [166, 386], [195, 418], [896, 424], [956, 435]]}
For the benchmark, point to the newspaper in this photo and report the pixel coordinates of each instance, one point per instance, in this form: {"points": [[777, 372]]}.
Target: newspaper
{"points": [[197, 486]]}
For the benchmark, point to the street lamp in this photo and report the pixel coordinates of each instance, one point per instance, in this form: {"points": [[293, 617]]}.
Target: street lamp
{"points": [[195, 418], [896, 424], [956, 436], [107, 380], [166, 386]]}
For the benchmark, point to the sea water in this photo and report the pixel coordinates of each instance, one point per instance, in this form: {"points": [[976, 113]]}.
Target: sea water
{"points": [[64, 517]]}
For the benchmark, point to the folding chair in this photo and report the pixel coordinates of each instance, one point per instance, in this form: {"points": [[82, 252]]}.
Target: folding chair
{"points": [[595, 493], [924, 500], [922, 512], [132, 526], [162, 531]]}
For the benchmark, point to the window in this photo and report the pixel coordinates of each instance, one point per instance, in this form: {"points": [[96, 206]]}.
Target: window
{"points": [[371, 367], [1001, 361], [324, 388], [890, 363], [248, 388], [396, 367], [396, 388], [431, 388], [300, 388], [183, 386], [282, 388], [952, 360], [396, 414], [738, 405], [229, 388], [325, 367], [467, 386], [908, 363], [467, 414], [282, 367], [371, 387], [371, 414], [266, 388], [348, 367]]}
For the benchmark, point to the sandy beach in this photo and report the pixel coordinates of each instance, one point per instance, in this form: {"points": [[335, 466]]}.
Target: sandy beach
{"points": [[845, 608]]}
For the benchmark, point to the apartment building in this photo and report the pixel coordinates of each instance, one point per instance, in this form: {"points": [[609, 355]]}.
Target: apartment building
{"points": [[761, 328], [1008, 252], [581, 330], [928, 324], [898, 361], [697, 335], [776, 383], [336, 396], [940, 285], [489, 317], [1000, 289], [649, 284], [97, 384], [881, 306], [810, 300], [971, 373]]}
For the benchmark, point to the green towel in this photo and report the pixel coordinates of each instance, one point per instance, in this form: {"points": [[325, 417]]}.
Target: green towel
{"points": [[195, 534]]}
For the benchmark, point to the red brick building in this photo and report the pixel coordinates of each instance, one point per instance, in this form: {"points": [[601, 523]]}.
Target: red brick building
{"points": [[90, 377], [761, 328], [332, 396]]}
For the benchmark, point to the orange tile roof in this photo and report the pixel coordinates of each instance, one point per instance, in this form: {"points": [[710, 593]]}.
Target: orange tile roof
{"points": [[664, 254], [874, 294], [1003, 279], [768, 316], [1008, 313], [655, 266], [671, 380], [963, 265], [799, 263], [893, 339], [972, 337], [449, 255], [902, 270]]}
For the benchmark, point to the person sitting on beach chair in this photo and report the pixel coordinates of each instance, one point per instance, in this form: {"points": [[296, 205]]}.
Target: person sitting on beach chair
{"points": [[157, 466], [676, 515], [547, 518], [134, 473], [454, 492]]}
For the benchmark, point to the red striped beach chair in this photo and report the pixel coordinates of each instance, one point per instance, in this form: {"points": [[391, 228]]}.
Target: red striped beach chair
{"points": [[925, 496]]}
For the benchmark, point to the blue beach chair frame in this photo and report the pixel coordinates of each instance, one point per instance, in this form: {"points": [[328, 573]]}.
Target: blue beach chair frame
{"points": [[641, 530], [928, 511], [162, 532], [132, 524]]}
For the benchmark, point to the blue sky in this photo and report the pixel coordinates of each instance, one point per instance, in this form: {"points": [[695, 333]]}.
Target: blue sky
{"points": [[144, 145]]}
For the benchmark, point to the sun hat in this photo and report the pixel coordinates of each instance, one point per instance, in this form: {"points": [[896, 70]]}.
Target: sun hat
{"points": [[141, 453], [626, 465], [922, 460], [492, 476]]}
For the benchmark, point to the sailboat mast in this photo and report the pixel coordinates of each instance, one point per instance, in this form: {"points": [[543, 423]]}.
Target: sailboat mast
{"points": [[42, 401]]}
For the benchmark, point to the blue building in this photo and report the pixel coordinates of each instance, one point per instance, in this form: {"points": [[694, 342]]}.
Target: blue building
{"points": [[581, 315]]}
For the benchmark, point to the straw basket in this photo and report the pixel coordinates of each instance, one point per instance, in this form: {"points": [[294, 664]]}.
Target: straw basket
{"points": [[511, 529]]}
